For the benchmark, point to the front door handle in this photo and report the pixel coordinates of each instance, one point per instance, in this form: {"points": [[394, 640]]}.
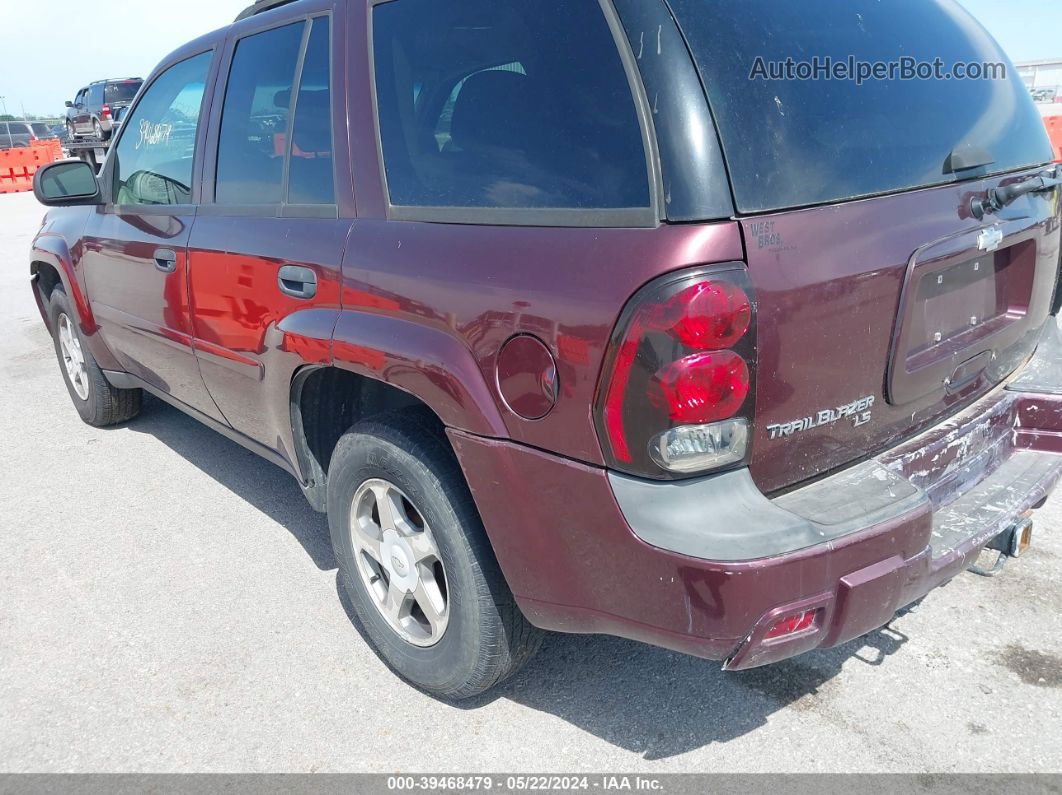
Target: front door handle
{"points": [[165, 260], [297, 281]]}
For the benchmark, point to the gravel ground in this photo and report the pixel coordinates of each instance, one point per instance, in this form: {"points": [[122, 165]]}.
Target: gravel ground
{"points": [[168, 602]]}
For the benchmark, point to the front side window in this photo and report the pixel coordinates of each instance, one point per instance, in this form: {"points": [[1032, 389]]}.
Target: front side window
{"points": [[253, 140], [498, 105], [155, 152]]}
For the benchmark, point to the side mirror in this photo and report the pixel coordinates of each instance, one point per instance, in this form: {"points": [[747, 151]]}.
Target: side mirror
{"points": [[66, 183], [69, 104]]}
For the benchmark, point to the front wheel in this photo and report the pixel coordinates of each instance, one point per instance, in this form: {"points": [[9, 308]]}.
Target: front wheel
{"points": [[416, 563], [97, 402]]}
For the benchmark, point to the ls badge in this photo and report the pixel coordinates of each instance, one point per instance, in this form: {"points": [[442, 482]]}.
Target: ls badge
{"points": [[858, 411]]}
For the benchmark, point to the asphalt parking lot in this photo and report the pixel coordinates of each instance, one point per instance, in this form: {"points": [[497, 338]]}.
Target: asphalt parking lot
{"points": [[168, 602]]}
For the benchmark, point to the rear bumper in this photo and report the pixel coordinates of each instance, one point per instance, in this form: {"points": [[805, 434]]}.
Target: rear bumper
{"points": [[706, 567]]}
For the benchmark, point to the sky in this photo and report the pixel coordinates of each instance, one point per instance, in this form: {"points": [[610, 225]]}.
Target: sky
{"points": [[126, 38]]}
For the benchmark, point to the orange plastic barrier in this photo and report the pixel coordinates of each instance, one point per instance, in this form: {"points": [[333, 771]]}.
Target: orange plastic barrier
{"points": [[18, 165], [53, 146], [1054, 129]]}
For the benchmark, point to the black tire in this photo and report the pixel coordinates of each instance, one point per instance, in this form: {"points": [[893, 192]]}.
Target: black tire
{"points": [[104, 404], [486, 638]]}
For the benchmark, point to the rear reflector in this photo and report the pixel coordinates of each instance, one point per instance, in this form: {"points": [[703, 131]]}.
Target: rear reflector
{"points": [[792, 624]]}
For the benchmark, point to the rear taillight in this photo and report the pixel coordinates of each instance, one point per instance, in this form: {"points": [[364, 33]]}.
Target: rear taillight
{"points": [[105, 111], [677, 392]]}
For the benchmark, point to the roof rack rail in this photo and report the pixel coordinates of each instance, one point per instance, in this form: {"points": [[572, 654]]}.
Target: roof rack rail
{"points": [[114, 80], [261, 6]]}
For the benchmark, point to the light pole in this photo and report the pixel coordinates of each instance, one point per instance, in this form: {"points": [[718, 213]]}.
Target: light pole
{"points": [[2, 102]]}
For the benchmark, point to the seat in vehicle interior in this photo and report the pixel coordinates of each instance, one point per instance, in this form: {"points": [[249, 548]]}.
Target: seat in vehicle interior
{"points": [[313, 124], [498, 135], [495, 110], [311, 150]]}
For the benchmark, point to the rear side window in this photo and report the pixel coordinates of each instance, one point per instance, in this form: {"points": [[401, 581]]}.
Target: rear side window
{"points": [[95, 94], [498, 104], [310, 179], [153, 157], [255, 117], [793, 142]]}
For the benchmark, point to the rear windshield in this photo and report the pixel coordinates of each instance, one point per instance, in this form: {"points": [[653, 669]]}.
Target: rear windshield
{"points": [[41, 129], [122, 92], [794, 137]]}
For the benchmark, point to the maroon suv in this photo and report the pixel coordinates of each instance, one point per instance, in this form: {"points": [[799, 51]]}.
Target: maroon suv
{"points": [[580, 316]]}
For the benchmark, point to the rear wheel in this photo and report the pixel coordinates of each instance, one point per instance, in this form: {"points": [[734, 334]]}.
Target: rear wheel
{"points": [[416, 563], [97, 129], [97, 402]]}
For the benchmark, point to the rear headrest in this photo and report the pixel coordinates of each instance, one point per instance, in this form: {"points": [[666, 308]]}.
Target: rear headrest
{"points": [[494, 108], [313, 127]]}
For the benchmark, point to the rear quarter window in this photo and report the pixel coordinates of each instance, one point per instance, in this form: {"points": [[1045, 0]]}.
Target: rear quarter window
{"points": [[502, 105]]}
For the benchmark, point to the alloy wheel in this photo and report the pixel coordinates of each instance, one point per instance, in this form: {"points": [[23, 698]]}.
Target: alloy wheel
{"points": [[73, 357], [399, 563]]}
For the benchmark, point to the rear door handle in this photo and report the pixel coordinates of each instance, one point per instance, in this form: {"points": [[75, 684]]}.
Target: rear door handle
{"points": [[165, 260], [297, 281]]}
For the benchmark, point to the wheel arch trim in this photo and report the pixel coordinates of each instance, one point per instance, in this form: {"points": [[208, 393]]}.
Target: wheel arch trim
{"points": [[431, 364], [52, 250]]}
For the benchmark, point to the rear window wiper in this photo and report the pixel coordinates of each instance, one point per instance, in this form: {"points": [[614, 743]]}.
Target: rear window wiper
{"points": [[998, 198]]}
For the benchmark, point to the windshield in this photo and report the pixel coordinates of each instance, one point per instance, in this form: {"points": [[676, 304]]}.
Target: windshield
{"points": [[794, 137], [41, 129], [122, 92]]}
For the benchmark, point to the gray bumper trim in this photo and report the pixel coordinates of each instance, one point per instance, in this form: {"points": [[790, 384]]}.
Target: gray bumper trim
{"points": [[725, 517], [1043, 373], [989, 508]]}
